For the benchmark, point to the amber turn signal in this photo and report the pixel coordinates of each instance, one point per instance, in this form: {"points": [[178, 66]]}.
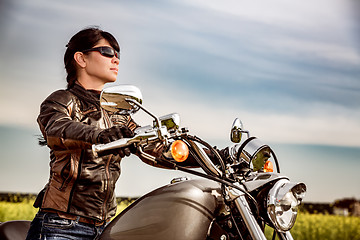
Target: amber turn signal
{"points": [[268, 166], [179, 151]]}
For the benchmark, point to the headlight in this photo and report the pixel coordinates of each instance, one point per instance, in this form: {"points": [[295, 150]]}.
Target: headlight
{"points": [[283, 201]]}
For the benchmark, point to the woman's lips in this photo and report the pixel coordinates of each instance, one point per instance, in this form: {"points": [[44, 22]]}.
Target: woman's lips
{"points": [[114, 69]]}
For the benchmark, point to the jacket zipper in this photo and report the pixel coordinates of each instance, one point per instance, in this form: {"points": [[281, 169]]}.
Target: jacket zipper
{"points": [[107, 172], [76, 180], [106, 186]]}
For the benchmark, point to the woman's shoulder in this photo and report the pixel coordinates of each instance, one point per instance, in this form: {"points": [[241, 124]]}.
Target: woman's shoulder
{"points": [[62, 96]]}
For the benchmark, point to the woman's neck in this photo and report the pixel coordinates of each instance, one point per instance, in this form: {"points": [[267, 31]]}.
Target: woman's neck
{"points": [[91, 85]]}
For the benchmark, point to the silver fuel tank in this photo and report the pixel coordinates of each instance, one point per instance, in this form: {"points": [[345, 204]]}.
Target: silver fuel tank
{"points": [[178, 211]]}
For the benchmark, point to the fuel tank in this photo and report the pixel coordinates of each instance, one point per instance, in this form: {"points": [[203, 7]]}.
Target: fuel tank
{"points": [[177, 211]]}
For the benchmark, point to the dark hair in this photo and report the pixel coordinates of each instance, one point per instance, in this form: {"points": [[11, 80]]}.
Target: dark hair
{"points": [[85, 39]]}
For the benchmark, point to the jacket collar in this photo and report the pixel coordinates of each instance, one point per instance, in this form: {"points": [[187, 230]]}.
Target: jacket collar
{"points": [[91, 96]]}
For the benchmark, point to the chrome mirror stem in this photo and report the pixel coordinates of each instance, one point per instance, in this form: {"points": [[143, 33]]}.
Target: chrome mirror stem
{"points": [[237, 130], [157, 121]]}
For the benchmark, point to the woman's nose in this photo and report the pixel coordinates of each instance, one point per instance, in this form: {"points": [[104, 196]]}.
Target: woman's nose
{"points": [[115, 60]]}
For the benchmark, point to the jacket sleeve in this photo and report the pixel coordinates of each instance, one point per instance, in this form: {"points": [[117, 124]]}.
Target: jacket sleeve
{"points": [[59, 128], [126, 120]]}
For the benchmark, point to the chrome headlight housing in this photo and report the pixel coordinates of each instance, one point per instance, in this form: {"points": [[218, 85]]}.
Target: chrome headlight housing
{"points": [[283, 201]]}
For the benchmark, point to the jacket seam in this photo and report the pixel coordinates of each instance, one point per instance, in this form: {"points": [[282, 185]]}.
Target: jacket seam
{"points": [[75, 182]]}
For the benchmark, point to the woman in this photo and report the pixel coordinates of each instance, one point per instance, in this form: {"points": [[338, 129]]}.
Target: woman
{"points": [[79, 198]]}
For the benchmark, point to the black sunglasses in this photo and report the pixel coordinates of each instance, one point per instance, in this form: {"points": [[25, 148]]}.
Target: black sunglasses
{"points": [[105, 51]]}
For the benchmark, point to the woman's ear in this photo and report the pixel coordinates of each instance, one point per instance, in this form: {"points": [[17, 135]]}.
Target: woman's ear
{"points": [[80, 59]]}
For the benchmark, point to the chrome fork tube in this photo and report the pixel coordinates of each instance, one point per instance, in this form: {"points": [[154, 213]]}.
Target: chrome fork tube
{"points": [[285, 236], [246, 214]]}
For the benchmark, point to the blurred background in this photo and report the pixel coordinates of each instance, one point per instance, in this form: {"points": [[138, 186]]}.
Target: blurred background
{"points": [[289, 70]]}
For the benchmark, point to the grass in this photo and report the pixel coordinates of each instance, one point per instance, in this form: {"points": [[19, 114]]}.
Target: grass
{"points": [[324, 227], [24, 210], [17, 210], [307, 227]]}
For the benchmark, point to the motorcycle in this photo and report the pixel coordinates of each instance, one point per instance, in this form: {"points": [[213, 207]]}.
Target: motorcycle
{"points": [[236, 194]]}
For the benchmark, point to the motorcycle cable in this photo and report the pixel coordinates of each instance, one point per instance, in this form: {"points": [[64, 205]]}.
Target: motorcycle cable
{"points": [[174, 166], [276, 161], [272, 152], [212, 149], [188, 139], [222, 163], [202, 165], [236, 226]]}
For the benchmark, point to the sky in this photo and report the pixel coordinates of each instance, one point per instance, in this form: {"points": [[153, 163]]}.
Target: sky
{"points": [[290, 70]]}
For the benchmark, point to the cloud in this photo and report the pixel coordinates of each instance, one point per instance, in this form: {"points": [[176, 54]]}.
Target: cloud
{"points": [[223, 60], [322, 123], [280, 12], [288, 70]]}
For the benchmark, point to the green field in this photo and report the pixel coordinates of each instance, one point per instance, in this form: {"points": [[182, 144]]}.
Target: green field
{"points": [[25, 211], [307, 227]]}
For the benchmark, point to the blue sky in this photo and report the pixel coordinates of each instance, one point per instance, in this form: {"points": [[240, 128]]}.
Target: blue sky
{"points": [[289, 70]]}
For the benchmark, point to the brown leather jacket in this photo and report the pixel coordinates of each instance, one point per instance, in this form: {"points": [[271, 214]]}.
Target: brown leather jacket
{"points": [[79, 183]]}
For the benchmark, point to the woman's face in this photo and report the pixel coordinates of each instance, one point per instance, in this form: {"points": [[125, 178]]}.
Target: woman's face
{"points": [[99, 67]]}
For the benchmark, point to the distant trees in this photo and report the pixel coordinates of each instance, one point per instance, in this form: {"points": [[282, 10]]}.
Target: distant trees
{"points": [[350, 204], [346, 206]]}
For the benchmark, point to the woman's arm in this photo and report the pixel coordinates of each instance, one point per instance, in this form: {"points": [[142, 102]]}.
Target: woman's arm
{"points": [[59, 128]]}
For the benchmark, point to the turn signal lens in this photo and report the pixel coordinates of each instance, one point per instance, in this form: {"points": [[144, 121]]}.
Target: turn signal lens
{"points": [[268, 167], [179, 151]]}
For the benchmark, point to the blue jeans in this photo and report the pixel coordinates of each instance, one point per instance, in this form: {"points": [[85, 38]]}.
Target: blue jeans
{"points": [[50, 226]]}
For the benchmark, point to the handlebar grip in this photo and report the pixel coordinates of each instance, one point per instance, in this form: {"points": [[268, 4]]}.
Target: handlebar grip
{"points": [[145, 135], [123, 142]]}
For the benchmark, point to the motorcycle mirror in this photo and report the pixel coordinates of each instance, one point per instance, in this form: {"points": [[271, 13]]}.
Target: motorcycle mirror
{"points": [[115, 99], [171, 121], [236, 131]]}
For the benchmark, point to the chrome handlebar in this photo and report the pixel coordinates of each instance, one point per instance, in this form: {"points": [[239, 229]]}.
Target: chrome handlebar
{"points": [[123, 142]]}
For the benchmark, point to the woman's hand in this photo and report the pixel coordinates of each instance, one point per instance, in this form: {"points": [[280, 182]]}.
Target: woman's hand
{"points": [[114, 133]]}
